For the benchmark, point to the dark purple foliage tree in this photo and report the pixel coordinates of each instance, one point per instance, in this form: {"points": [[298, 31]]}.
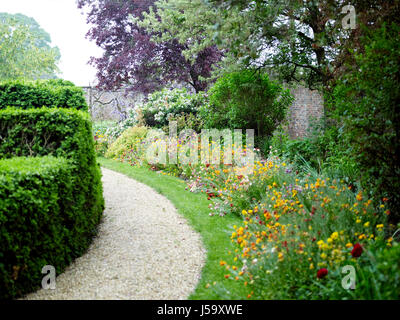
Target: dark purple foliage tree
{"points": [[131, 59]]}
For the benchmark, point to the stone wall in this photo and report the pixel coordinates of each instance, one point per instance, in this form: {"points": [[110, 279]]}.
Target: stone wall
{"points": [[109, 105], [307, 107]]}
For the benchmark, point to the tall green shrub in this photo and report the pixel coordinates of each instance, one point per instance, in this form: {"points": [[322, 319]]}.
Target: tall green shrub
{"points": [[246, 99], [164, 104], [367, 101]]}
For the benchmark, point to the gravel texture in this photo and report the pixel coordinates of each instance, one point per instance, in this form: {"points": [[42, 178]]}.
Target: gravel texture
{"points": [[144, 250]]}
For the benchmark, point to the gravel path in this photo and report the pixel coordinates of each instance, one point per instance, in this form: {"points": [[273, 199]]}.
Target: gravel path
{"points": [[144, 250]]}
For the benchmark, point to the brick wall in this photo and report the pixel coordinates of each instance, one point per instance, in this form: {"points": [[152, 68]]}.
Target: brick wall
{"points": [[308, 105]]}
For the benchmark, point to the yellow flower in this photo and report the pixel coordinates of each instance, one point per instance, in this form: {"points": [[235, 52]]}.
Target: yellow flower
{"points": [[379, 226], [366, 224], [349, 245], [311, 266], [359, 196], [280, 256], [323, 255], [335, 235]]}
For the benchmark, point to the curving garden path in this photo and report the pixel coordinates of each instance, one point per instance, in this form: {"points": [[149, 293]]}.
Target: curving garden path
{"points": [[144, 250]]}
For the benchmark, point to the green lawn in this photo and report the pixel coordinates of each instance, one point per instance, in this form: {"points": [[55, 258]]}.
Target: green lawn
{"points": [[215, 231]]}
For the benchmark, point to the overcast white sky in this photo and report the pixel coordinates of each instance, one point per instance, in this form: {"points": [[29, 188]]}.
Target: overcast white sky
{"points": [[67, 28]]}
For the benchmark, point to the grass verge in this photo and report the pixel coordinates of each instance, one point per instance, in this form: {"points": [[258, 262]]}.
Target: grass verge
{"points": [[215, 231]]}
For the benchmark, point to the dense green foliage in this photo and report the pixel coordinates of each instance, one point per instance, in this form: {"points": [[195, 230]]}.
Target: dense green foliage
{"points": [[36, 94], [38, 222], [320, 150], [367, 105], [71, 195], [246, 99]]}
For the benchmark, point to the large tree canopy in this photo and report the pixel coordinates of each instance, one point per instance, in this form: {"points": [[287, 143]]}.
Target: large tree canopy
{"points": [[25, 49], [296, 40], [132, 60]]}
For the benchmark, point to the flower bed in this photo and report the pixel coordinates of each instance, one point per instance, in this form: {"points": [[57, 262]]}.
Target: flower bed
{"points": [[299, 231]]}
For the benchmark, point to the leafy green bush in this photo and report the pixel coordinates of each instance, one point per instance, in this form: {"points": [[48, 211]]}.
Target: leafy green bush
{"points": [[43, 93], [62, 133], [246, 99], [129, 143], [321, 150], [366, 102]]}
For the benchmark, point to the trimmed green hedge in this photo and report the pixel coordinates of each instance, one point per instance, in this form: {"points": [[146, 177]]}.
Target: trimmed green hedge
{"points": [[36, 196], [42, 93], [70, 194]]}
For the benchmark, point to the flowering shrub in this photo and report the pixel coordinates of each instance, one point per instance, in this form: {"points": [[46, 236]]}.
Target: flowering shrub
{"points": [[164, 104]]}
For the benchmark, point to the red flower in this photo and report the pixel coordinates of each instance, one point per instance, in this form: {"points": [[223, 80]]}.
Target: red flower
{"points": [[322, 273], [357, 250]]}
